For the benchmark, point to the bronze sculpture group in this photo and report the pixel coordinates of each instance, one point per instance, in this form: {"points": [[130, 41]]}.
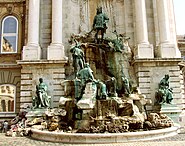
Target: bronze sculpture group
{"points": [[84, 74], [111, 103]]}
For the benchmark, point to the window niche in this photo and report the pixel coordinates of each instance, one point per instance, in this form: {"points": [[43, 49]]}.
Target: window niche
{"points": [[9, 35], [7, 98]]}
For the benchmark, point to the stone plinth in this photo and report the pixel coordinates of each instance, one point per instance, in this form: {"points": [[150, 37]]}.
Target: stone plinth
{"points": [[169, 51], [55, 52], [31, 53], [52, 72], [145, 51]]}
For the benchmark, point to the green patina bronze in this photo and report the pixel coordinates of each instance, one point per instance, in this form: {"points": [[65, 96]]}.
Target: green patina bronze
{"points": [[164, 93], [84, 76], [41, 100], [99, 23], [78, 57]]}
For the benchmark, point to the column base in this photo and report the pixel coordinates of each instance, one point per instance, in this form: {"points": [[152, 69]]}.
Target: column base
{"points": [[145, 51], [31, 53], [55, 52], [169, 51]]}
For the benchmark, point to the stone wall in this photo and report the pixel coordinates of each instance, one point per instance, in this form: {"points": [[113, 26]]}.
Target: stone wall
{"points": [[52, 72], [150, 72]]}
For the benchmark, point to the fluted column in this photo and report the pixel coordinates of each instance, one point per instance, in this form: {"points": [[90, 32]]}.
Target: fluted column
{"points": [[167, 46], [56, 48], [144, 49], [32, 50]]}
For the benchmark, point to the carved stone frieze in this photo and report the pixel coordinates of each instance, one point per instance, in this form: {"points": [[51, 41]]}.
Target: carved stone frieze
{"points": [[10, 8]]}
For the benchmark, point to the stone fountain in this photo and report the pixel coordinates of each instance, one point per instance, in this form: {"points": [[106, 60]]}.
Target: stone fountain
{"points": [[102, 102]]}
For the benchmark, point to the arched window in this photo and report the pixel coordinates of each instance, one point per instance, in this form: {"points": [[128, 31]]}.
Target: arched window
{"points": [[7, 98], [9, 35]]}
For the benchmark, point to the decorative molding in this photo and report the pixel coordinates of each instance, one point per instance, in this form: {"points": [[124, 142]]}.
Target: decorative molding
{"points": [[15, 8], [10, 8], [11, 1], [9, 77]]}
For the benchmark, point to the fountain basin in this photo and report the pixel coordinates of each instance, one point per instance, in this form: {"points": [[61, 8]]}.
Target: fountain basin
{"points": [[85, 138]]}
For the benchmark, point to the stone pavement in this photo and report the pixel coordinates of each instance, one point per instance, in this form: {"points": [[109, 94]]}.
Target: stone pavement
{"points": [[178, 140]]}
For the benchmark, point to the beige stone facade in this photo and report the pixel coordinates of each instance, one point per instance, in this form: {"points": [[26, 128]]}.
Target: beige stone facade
{"points": [[45, 26]]}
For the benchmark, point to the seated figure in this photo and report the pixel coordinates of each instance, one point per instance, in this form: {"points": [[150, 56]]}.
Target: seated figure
{"points": [[42, 99], [164, 93]]}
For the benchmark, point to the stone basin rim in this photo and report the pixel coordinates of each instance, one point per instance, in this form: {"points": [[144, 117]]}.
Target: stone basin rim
{"points": [[164, 130], [103, 137]]}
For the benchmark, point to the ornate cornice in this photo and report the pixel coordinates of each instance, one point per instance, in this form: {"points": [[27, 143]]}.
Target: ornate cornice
{"points": [[12, 1]]}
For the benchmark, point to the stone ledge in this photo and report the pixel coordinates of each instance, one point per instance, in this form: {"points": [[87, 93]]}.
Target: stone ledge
{"points": [[7, 115], [10, 66], [27, 62], [155, 60], [103, 138]]}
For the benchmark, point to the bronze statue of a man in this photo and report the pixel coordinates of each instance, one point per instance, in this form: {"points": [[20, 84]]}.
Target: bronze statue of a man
{"points": [[99, 23], [78, 57]]}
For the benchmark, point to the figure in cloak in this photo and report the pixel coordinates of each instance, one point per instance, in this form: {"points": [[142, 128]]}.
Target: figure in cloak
{"points": [[99, 24], [42, 99], [164, 93]]}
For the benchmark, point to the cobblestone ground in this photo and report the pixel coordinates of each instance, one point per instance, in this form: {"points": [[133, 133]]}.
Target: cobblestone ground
{"points": [[178, 140]]}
